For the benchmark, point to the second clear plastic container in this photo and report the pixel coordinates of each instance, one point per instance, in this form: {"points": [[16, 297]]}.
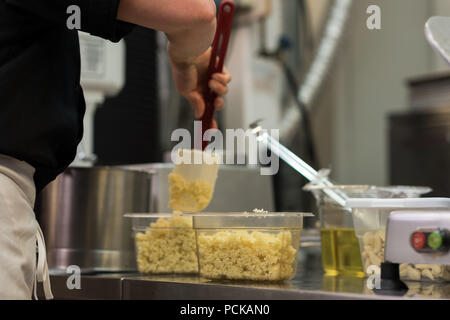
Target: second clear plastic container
{"points": [[248, 246], [370, 218]]}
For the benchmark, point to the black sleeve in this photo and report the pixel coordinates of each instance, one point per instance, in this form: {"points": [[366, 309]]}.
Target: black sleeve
{"points": [[98, 17]]}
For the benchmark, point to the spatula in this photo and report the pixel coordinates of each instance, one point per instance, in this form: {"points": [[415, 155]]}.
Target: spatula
{"points": [[202, 167]]}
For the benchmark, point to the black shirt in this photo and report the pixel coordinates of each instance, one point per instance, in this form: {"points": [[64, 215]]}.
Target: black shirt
{"points": [[41, 100]]}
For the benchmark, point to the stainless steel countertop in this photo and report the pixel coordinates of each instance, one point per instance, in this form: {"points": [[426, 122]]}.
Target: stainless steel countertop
{"points": [[311, 286], [309, 283]]}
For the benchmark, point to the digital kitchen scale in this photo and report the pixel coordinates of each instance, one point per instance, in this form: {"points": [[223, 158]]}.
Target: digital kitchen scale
{"points": [[422, 237]]}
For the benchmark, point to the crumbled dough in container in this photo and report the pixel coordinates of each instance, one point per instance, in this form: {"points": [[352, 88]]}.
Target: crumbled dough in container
{"points": [[168, 246], [189, 196], [373, 254], [244, 255]]}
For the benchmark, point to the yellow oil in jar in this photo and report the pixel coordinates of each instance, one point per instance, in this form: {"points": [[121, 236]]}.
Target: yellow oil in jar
{"points": [[340, 252]]}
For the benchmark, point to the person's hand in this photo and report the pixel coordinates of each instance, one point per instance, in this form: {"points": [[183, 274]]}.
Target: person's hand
{"points": [[189, 78]]}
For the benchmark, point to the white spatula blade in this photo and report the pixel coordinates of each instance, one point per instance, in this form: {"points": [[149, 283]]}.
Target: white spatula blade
{"points": [[193, 179]]}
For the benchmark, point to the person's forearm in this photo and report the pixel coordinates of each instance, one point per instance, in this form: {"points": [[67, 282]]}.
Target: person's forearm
{"points": [[189, 24]]}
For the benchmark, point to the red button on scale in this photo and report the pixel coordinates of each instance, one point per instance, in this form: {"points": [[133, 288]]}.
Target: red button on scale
{"points": [[418, 240]]}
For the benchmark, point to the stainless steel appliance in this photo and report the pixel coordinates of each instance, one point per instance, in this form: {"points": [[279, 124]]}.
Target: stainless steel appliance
{"points": [[81, 214]]}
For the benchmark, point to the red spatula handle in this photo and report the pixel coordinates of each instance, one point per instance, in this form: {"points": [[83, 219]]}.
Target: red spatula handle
{"points": [[218, 55]]}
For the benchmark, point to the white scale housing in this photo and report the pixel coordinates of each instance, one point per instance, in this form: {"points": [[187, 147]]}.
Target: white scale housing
{"points": [[402, 225]]}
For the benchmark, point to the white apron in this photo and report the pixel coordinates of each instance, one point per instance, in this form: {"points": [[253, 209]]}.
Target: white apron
{"points": [[19, 234]]}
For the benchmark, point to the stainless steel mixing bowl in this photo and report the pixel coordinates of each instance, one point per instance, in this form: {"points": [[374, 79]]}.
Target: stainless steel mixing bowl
{"points": [[81, 214]]}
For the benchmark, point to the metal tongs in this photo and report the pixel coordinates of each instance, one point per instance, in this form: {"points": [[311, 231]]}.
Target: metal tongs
{"points": [[298, 164]]}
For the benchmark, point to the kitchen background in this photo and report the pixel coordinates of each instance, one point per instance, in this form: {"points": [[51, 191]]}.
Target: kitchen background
{"points": [[381, 116], [366, 84]]}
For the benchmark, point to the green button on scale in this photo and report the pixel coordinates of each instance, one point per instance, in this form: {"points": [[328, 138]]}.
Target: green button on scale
{"points": [[435, 240]]}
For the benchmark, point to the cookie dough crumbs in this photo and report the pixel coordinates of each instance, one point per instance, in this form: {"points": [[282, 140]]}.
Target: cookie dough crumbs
{"points": [[243, 255], [189, 196], [168, 246]]}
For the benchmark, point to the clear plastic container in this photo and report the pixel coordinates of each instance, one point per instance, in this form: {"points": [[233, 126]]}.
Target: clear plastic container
{"points": [[165, 243], [370, 218], [248, 246], [340, 246]]}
